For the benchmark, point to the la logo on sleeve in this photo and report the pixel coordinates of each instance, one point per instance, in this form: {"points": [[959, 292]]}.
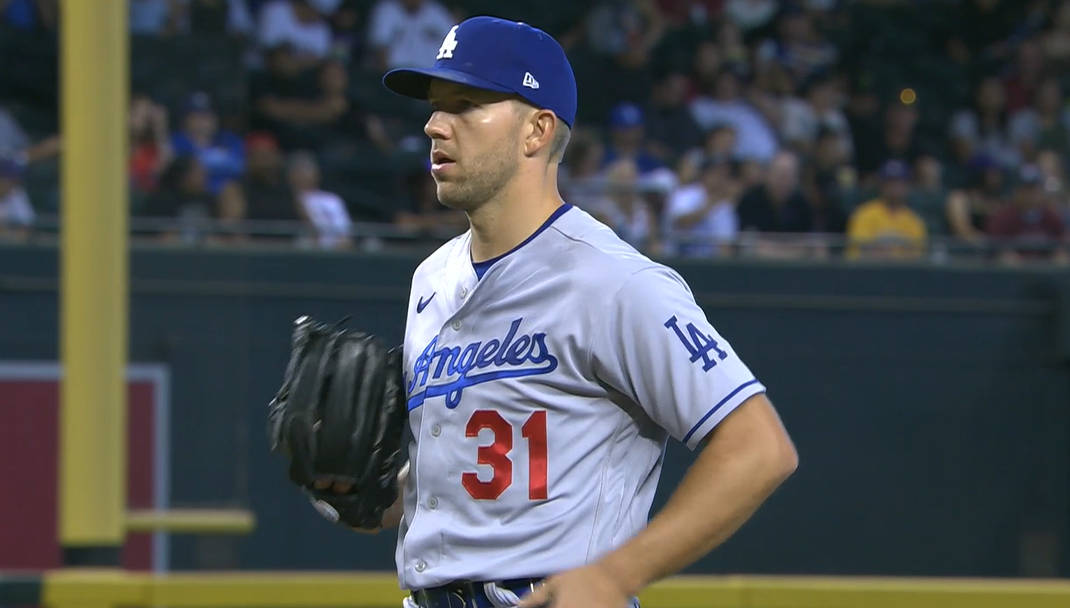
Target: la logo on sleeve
{"points": [[698, 344]]}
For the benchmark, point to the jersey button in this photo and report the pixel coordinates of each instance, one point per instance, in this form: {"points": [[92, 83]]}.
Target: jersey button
{"points": [[456, 325], [436, 429], [432, 503], [464, 292], [421, 565]]}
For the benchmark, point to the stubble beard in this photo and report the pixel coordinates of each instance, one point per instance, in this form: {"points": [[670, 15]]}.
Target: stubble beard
{"points": [[486, 177]]}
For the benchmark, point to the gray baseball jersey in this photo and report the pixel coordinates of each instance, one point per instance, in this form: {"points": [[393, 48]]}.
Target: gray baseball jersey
{"points": [[542, 387]]}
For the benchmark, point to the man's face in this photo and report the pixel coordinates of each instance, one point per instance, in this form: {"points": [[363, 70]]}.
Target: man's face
{"points": [[895, 190], [263, 159], [628, 138], [201, 123], [1031, 196], [727, 86], [783, 175], [475, 143]]}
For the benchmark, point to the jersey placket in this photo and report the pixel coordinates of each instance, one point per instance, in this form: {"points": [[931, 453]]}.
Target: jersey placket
{"points": [[436, 484]]}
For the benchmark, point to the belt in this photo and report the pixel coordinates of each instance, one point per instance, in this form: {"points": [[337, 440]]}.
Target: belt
{"points": [[469, 594]]}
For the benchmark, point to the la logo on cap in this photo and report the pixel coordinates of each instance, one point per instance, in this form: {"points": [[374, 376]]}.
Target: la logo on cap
{"points": [[529, 81], [448, 44]]}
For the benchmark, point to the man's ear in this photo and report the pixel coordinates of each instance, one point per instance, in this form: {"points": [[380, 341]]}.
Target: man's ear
{"points": [[539, 132]]}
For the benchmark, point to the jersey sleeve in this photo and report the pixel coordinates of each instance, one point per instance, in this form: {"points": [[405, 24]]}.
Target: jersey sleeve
{"points": [[657, 348]]}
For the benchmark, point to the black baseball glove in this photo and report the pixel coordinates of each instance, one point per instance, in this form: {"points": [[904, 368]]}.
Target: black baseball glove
{"points": [[339, 416]]}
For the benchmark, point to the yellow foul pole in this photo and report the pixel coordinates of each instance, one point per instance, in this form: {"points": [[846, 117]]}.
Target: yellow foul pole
{"points": [[93, 292]]}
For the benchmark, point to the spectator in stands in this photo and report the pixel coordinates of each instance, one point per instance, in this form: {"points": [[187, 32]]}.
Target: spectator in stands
{"points": [[819, 107], [16, 213], [30, 14], [719, 146], [928, 198], [798, 48], [263, 193], [182, 195], [1025, 76], [325, 212], [427, 215], [991, 22], [155, 17], [1045, 124], [627, 139], [706, 65], [16, 144], [671, 130], [656, 187], [311, 109], [865, 120], [580, 175], [897, 140], [150, 142], [298, 23], [407, 32], [828, 178], [1056, 41], [347, 28], [755, 140], [777, 205], [733, 51], [983, 128], [220, 152], [1028, 227], [627, 32], [622, 207], [885, 227], [338, 118], [969, 209], [284, 80], [1052, 167], [694, 13], [702, 216], [614, 42], [751, 15], [630, 28]]}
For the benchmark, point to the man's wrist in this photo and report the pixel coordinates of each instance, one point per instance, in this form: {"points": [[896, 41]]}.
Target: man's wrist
{"points": [[629, 573]]}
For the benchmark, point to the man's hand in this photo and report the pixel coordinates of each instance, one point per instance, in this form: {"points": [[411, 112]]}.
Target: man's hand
{"points": [[592, 586]]}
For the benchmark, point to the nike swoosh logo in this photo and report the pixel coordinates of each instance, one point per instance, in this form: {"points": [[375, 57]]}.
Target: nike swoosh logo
{"points": [[422, 304]]}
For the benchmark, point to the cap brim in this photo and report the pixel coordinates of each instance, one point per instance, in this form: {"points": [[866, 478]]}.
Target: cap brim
{"points": [[413, 82]]}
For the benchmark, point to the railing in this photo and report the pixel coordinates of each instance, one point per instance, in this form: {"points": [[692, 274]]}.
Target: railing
{"points": [[371, 236]]}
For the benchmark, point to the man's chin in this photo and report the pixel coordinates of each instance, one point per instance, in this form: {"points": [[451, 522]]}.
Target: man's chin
{"points": [[449, 197]]}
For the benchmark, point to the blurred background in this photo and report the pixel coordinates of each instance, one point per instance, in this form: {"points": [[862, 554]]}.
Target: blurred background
{"points": [[868, 197]]}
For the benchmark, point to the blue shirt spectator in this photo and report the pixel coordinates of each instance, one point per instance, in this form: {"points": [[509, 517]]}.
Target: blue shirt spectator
{"points": [[221, 153], [627, 139]]}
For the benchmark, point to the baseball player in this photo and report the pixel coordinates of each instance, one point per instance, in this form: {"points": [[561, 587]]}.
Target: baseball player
{"points": [[546, 362]]}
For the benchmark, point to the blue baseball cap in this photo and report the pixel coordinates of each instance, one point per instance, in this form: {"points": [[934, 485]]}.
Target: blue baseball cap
{"points": [[625, 116], [498, 55], [895, 169]]}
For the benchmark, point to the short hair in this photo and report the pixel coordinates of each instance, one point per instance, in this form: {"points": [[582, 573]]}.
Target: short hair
{"points": [[561, 134], [561, 137]]}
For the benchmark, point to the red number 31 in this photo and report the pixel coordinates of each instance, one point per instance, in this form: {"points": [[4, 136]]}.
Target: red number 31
{"points": [[497, 455]]}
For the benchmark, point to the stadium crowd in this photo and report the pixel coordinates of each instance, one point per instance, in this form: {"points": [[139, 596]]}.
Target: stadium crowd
{"points": [[806, 128]]}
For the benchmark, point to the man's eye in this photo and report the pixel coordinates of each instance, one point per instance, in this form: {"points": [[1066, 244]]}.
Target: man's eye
{"points": [[453, 107], [463, 104]]}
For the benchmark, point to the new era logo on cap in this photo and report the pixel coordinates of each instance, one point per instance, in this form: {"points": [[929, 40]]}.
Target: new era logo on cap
{"points": [[498, 55]]}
